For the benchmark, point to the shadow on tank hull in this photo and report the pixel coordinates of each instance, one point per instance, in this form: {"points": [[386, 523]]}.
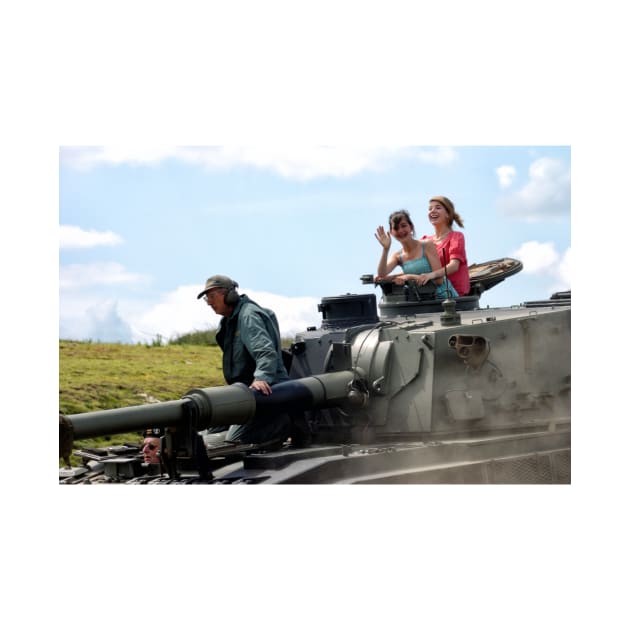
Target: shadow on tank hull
{"points": [[430, 391]]}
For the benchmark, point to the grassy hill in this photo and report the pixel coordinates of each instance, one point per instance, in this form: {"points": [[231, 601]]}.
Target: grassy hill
{"points": [[107, 375]]}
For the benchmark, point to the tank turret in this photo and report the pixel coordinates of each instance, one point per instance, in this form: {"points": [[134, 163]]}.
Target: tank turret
{"points": [[427, 392]]}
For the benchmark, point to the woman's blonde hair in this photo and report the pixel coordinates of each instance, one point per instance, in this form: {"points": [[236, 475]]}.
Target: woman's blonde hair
{"points": [[450, 210]]}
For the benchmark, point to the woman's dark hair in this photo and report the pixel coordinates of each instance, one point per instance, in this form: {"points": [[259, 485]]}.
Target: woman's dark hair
{"points": [[396, 217]]}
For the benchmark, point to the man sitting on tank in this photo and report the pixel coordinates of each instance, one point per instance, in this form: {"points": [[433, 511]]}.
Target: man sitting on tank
{"points": [[151, 446], [249, 337]]}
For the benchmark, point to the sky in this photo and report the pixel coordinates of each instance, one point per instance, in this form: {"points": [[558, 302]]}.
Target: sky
{"points": [[141, 228]]}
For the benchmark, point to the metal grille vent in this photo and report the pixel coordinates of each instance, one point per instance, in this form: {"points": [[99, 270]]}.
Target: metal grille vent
{"points": [[530, 469], [562, 466]]}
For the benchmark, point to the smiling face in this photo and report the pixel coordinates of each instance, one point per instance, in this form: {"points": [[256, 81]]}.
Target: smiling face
{"points": [[438, 215], [402, 231], [401, 226]]}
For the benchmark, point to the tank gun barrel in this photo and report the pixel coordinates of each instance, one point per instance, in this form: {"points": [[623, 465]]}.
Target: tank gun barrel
{"points": [[211, 406], [207, 407], [126, 419]]}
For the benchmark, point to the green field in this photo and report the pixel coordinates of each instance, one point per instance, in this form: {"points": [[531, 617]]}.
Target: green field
{"points": [[107, 375]]}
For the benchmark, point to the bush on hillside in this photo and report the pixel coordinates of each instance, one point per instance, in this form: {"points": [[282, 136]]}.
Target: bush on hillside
{"points": [[196, 338]]}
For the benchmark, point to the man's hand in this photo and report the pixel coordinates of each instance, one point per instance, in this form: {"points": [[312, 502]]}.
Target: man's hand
{"points": [[262, 386]]}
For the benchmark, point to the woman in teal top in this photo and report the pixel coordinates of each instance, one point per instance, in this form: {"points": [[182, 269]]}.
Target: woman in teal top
{"points": [[418, 259], [422, 267]]}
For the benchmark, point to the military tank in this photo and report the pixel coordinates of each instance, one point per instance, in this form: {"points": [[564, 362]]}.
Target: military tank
{"points": [[414, 390]]}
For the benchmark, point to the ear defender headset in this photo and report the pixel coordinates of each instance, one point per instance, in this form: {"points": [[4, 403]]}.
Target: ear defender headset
{"points": [[231, 297]]}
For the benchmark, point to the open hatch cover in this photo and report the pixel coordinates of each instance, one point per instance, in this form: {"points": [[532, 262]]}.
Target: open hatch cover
{"points": [[484, 276]]}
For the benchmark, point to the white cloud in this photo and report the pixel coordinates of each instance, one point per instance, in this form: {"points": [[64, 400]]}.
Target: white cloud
{"points": [[546, 194], [442, 156], [89, 319], [93, 274], [179, 312], [71, 236], [105, 324], [84, 158], [564, 269], [297, 163], [537, 257], [506, 175], [294, 314], [176, 313], [542, 259]]}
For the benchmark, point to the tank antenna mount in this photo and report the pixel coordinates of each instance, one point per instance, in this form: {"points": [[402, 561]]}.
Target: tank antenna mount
{"points": [[450, 317]]}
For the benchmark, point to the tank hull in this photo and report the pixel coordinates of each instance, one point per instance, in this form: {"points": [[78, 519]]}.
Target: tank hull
{"points": [[541, 457], [412, 395]]}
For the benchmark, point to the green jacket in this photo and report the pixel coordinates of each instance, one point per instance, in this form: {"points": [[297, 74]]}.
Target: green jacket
{"points": [[250, 340]]}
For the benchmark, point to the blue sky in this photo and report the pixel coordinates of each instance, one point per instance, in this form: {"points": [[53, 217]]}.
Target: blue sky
{"points": [[141, 228]]}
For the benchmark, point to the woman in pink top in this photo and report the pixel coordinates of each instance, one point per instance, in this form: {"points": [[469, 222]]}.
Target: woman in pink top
{"points": [[449, 243]]}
